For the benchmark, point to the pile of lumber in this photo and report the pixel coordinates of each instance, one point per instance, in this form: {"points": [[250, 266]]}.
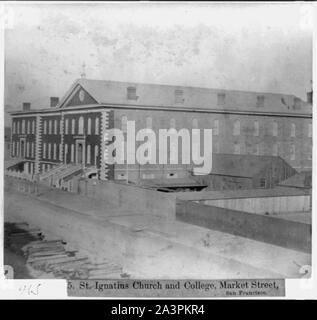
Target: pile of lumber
{"points": [[53, 256]]}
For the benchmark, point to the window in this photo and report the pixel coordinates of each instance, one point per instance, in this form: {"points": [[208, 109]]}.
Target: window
{"points": [[97, 126], [262, 183], [49, 151], [124, 121], [216, 127], [88, 153], [33, 126], [44, 126], [260, 101], [309, 130], [54, 151], [13, 127], [221, 99], [236, 148], [149, 122], [195, 123], [50, 127], [297, 103], [257, 149], [275, 129], [275, 149], [55, 126], [256, 128], [44, 150], [179, 96], [18, 148], [236, 128], [293, 130], [73, 126], [216, 147], [72, 151], [66, 126], [27, 127], [33, 150], [292, 152], [60, 153], [172, 123], [96, 154], [89, 126], [131, 93], [23, 126], [81, 125], [27, 149]]}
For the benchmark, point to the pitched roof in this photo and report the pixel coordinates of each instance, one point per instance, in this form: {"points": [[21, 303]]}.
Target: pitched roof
{"points": [[240, 165], [115, 92]]}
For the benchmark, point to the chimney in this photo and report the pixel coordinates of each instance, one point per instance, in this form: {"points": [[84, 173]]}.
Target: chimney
{"points": [[54, 101], [26, 106], [310, 97]]}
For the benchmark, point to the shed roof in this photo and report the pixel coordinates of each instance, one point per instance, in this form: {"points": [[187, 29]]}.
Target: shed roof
{"points": [[299, 180], [241, 165]]}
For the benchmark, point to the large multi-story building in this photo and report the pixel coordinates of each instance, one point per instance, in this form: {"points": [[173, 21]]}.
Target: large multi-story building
{"points": [[72, 130]]}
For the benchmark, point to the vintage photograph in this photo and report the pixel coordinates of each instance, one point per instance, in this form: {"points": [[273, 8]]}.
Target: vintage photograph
{"points": [[158, 141]]}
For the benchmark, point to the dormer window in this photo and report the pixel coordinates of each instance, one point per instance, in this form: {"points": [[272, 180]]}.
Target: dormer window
{"points": [[131, 93], [221, 99], [260, 101], [179, 96]]}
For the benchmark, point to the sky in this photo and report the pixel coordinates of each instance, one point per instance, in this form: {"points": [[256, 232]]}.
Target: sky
{"points": [[251, 46]]}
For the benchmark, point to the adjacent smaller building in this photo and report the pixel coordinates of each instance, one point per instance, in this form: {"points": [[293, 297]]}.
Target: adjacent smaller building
{"points": [[232, 171]]}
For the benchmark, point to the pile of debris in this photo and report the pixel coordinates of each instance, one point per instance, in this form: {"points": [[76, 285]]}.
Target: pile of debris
{"points": [[53, 256]]}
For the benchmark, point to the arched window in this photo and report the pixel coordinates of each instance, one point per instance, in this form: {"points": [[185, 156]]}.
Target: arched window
{"points": [[66, 126], [124, 121], [293, 130], [97, 126], [149, 122], [275, 129], [88, 153], [292, 152], [81, 125], [89, 126], [256, 128], [216, 127], [236, 128], [195, 123], [73, 126]]}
